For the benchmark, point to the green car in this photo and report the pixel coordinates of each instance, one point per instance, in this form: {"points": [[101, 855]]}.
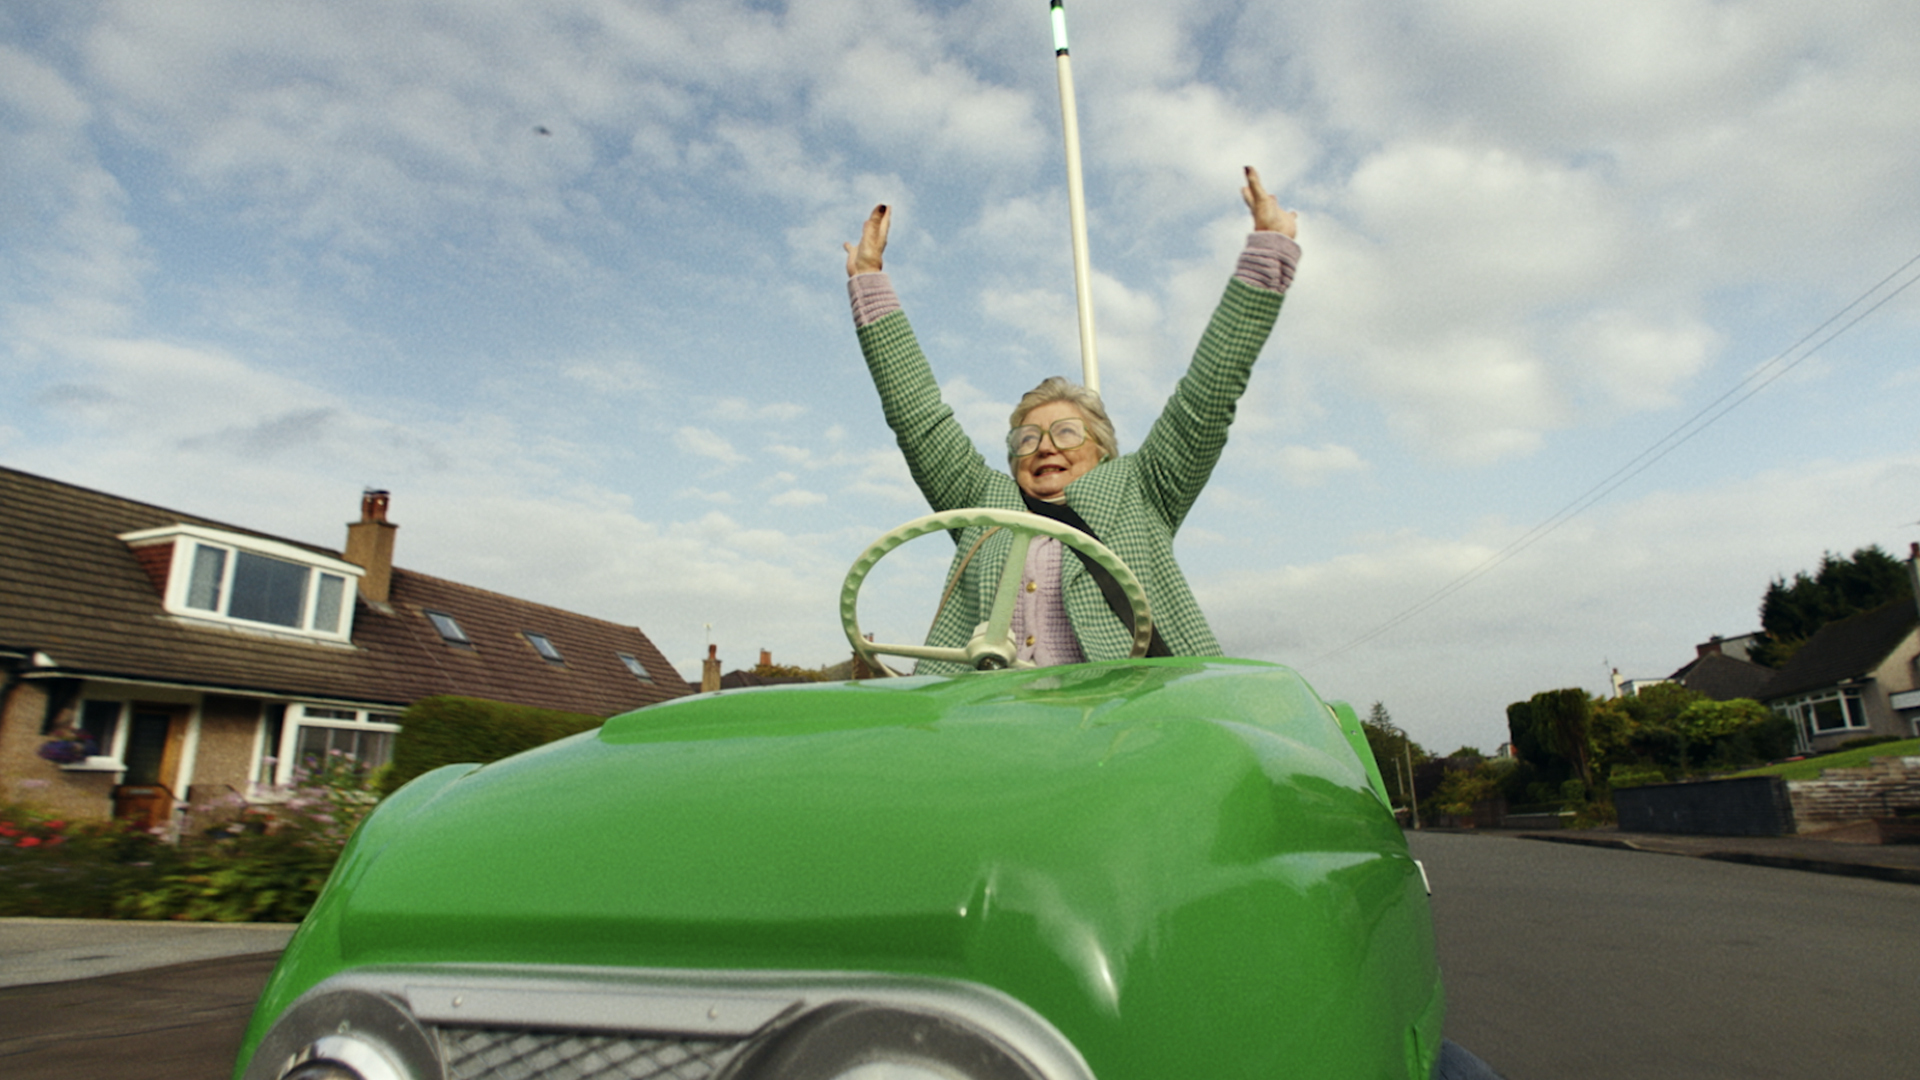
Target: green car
{"points": [[1145, 869]]}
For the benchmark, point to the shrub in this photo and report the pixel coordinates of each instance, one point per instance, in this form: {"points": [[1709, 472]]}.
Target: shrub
{"points": [[449, 730], [1868, 740], [261, 862], [1593, 815], [1632, 776], [1464, 789], [59, 869], [251, 862]]}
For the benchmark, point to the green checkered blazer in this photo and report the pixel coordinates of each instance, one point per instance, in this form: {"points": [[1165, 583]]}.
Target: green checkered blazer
{"points": [[1135, 502]]}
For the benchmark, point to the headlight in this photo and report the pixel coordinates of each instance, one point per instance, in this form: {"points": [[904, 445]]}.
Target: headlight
{"points": [[861, 1041], [346, 1035]]}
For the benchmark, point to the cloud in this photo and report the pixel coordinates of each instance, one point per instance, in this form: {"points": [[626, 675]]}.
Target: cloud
{"points": [[1311, 466], [709, 445], [740, 410], [1632, 584]]}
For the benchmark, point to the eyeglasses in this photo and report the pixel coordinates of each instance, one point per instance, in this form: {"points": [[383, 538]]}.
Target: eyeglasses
{"points": [[1066, 433]]}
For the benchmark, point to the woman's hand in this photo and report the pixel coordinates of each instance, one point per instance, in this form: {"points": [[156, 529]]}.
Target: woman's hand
{"points": [[865, 259], [1267, 214]]}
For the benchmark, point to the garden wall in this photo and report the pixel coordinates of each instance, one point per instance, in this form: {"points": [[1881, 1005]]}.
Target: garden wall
{"points": [[1840, 795], [1749, 806]]}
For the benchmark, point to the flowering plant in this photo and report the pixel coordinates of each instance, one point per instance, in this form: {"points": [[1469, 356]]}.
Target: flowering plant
{"points": [[26, 833], [264, 861], [68, 747]]}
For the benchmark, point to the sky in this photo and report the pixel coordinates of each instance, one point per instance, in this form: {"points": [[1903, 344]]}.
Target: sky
{"points": [[566, 278]]}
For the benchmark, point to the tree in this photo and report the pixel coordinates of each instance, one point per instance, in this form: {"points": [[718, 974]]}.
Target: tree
{"points": [[1567, 715], [1555, 724], [1390, 747], [1676, 730], [1791, 612]]}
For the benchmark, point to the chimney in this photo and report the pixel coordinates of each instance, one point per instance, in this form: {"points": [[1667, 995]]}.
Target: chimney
{"points": [[1710, 647], [710, 670], [370, 546], [766, 658]]}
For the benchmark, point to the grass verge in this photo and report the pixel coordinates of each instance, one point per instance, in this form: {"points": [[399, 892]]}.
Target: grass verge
{"points": [[1845, 759]]}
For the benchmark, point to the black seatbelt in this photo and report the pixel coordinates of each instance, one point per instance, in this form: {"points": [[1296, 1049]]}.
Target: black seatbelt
{"points": [[1109, 587]]}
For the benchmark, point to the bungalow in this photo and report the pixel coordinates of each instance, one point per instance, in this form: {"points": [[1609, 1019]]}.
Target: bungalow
{"points": [[151, 659], [1720, 669], [1856, 677]]}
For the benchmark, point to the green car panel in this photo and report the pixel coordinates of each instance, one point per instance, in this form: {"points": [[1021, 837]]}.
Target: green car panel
{"points": [[1187, 867]]}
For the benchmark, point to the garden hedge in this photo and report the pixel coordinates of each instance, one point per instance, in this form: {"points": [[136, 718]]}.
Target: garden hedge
{"points": [[448, 730]]}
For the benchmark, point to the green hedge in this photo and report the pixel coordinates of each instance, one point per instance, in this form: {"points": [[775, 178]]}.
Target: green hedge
{"points": [[449, 730]]}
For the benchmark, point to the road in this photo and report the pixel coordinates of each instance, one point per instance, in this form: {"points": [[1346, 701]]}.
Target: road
{"points": [[1578, 963], [1561, 962]]}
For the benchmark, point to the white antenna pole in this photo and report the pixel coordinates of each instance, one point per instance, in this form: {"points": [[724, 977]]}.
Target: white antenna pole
{"points": [[1076, 201]]}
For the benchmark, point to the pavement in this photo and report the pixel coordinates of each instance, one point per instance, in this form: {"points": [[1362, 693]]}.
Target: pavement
{"points": [[1817, 854], [84, 998], [34, 951]]}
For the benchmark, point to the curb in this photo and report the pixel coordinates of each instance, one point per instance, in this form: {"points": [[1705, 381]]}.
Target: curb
{"points": [[1904, 875]]}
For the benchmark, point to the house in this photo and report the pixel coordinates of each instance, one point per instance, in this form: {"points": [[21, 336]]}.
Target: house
{"points": [[1720, 670], [170, 659], [1854, 677]]}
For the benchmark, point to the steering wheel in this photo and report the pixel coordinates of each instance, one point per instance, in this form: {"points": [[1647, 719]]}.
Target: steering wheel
{"points": [[992, 645]]}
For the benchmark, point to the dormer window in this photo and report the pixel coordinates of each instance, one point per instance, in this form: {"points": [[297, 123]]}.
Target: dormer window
{"points": [[249, 581]]}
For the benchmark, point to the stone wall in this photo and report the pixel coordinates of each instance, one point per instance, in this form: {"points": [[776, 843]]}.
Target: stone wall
{"points": [[1842, 795]]}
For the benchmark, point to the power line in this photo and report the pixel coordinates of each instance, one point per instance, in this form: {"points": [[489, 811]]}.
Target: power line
{"points": [[1755, 381]]}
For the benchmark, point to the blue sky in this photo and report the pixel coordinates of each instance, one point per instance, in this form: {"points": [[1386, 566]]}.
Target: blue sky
{"points": [[257, 256]]}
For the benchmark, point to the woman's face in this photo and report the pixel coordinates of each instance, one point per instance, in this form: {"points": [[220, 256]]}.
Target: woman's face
{"points": [[1046, 472]]}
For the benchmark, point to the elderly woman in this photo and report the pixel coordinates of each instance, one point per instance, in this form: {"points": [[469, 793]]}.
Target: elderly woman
{"points": [[1065, 463]]}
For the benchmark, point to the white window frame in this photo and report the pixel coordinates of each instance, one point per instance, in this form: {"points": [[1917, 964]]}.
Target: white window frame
{"points": [[318, 715], [1803, 711], [109, 757], [188, 539]]}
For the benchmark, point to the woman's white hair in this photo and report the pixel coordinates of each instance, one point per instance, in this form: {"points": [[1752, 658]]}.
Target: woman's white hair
{"points": [[1055, 388]]}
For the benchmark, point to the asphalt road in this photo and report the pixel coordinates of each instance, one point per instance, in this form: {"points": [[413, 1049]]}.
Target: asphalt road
{"points": [[1577, 963], [1561, 962], [182, 1022]]}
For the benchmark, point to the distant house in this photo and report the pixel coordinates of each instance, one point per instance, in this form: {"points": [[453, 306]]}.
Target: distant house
{"points": [[1720, 670], [176, 659], [1853, 678], [742, 679]]}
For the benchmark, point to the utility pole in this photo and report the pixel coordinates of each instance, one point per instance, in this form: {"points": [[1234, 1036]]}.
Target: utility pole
{"points": [[1412, 799]]}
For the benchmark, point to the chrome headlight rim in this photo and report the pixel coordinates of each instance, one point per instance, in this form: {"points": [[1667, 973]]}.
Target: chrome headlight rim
{"points": [[837, 1040], [346, 1033]]}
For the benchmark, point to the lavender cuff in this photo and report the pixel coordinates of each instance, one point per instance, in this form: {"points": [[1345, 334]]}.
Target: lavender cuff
{"points": [[1268, 261], [873, 298]]}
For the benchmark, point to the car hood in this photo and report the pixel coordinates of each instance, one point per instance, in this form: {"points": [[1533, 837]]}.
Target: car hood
{"points": [[1100, 841]]}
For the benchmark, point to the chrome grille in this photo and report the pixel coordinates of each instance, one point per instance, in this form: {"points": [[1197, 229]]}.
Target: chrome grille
{"points": [[520, 1054]]}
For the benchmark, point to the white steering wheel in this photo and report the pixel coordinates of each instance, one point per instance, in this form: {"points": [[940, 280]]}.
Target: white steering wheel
{"points": [[992, 645]]}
